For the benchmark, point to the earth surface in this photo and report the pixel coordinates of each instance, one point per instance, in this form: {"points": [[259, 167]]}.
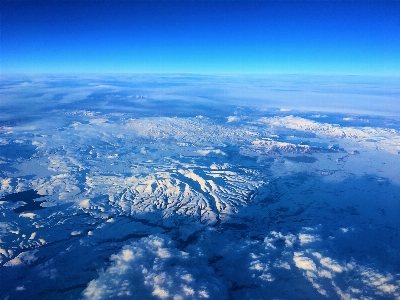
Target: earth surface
{"points": [[198, 187]]}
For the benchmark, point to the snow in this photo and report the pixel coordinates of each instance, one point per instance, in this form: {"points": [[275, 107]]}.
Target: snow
{"points": [[198, 205]]}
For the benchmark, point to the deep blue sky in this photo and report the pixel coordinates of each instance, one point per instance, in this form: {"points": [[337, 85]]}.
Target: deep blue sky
{"points": [[358, 37]]}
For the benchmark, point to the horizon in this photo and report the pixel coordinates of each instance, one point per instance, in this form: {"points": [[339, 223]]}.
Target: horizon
{"points": [[355, 94], [216, 74]]}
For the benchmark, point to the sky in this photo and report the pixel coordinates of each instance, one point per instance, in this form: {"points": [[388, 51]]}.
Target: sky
{"points": [[285, 37]]}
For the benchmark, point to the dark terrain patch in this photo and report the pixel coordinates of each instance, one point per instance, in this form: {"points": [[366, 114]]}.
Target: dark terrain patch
{"points": [[302, 159], [27, 197]]}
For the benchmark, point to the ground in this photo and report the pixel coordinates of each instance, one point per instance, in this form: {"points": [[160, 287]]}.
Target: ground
{"points": [[117, 189]]}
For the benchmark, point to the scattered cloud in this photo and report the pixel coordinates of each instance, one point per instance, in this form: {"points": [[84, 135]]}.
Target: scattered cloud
{"points": [[306, 238], [154, 267], [318, 116], [28, 215], [208, 151], [303, 262], [233, 119], [329, 276]]}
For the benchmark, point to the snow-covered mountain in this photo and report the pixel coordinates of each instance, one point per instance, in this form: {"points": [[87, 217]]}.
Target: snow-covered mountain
{"points": [[110, 197]]}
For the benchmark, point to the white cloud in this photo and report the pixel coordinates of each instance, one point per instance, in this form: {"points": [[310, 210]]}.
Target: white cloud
{"points": [[303, 262], [28, 215], [308, 238], [154, 267], [85, 203], [327, 273], [384, 284], [97, 121], [232, 119], [318, 116], [205, 152], [331, 264]]}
